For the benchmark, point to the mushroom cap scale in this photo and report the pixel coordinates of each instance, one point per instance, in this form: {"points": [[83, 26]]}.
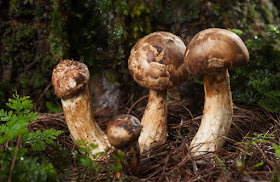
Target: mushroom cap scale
{"points": [[123, 130], [213, 50], [69, 78], [156, 61]]}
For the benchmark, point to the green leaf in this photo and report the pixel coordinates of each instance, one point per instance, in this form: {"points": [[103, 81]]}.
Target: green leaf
{"points": [[258, 164], [237, 31], [38, 140], [277, 150]]}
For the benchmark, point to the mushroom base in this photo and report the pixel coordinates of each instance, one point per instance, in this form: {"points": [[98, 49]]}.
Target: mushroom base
{"points": [[132, 158], [217, 114], [154, 121], [80, 120]]}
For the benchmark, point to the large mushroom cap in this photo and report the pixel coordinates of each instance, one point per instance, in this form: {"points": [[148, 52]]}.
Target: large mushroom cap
{"points": [[213, 50], [156, 61], [69, 78], [123, 130]]}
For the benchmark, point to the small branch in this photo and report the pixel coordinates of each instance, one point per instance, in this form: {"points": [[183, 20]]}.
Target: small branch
{"points": [[164, 168], [133, 105], [14, 159], [187, 110]]}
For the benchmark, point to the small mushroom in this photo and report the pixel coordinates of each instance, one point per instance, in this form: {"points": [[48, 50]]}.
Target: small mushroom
{"points": [[156, 62], [209, 55], [123, 133], [70, 81]]}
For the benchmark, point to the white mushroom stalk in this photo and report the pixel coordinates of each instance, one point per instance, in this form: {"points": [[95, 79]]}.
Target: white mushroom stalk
{"points": [[217, 114], [155, 120], [209, 55], [70, 81], [156, 62]]}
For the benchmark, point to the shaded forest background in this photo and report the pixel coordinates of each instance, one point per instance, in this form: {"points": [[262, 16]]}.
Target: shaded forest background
{"points": [[37, 34]]}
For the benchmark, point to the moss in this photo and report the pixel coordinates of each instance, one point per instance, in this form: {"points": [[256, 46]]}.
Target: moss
{"points": [[36, 35]]}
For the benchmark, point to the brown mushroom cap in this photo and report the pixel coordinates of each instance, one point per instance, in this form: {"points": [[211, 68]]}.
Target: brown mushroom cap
{"points": [[213, 50], [157, 61], [123, 130], [69, 78]]}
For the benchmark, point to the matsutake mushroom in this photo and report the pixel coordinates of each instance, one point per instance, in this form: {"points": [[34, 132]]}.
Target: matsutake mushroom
{"points": [[70, 81], [209, 55], [123, 133], [156, 62]]}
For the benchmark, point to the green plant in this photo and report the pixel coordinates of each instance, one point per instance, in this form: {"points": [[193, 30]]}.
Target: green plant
{"points": [[276, 178], [260, 78], [87, 160], [257, 138], [111, 162], [255, 141], [252, 142], [14, 161], [222, 165], [277, 150]]}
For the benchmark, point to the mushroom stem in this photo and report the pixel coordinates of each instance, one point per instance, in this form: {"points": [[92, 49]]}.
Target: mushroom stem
{"points": [[154, 133], [132, 156], [80, 120], [70, 82], [217, 114]]}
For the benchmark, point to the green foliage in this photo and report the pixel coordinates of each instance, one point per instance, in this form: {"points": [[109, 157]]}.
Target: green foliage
{"points": [[102, 36], [36, 35], [277, 150], [276, 178], [38, 139], [14, 41], [26, 168], [87, 160], [252, 142], [260, 78], [222, 165], [36, 171], [257, 138], [26, 51], [118, 159], [14, 125], [15, 122], [237, 31]]}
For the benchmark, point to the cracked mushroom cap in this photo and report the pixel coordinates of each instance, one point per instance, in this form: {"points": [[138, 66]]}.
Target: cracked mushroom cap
{"points": [[123, 130], [156, 61], [213, 50], [69, 78]]}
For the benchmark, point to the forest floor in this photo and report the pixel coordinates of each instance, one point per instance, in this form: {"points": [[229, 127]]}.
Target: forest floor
{"points": [[248, 154]]}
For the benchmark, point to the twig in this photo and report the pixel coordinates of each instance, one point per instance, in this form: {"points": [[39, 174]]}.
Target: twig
{"points": [[43, 93], [133, 105], [41, 96], [164, 168], [14, 159], [187, 110]]}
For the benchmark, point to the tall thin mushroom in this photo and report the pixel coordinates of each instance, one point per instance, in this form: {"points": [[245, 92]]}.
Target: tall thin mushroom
{"points": [[156, 62], [70, 82], [209, 55]]}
